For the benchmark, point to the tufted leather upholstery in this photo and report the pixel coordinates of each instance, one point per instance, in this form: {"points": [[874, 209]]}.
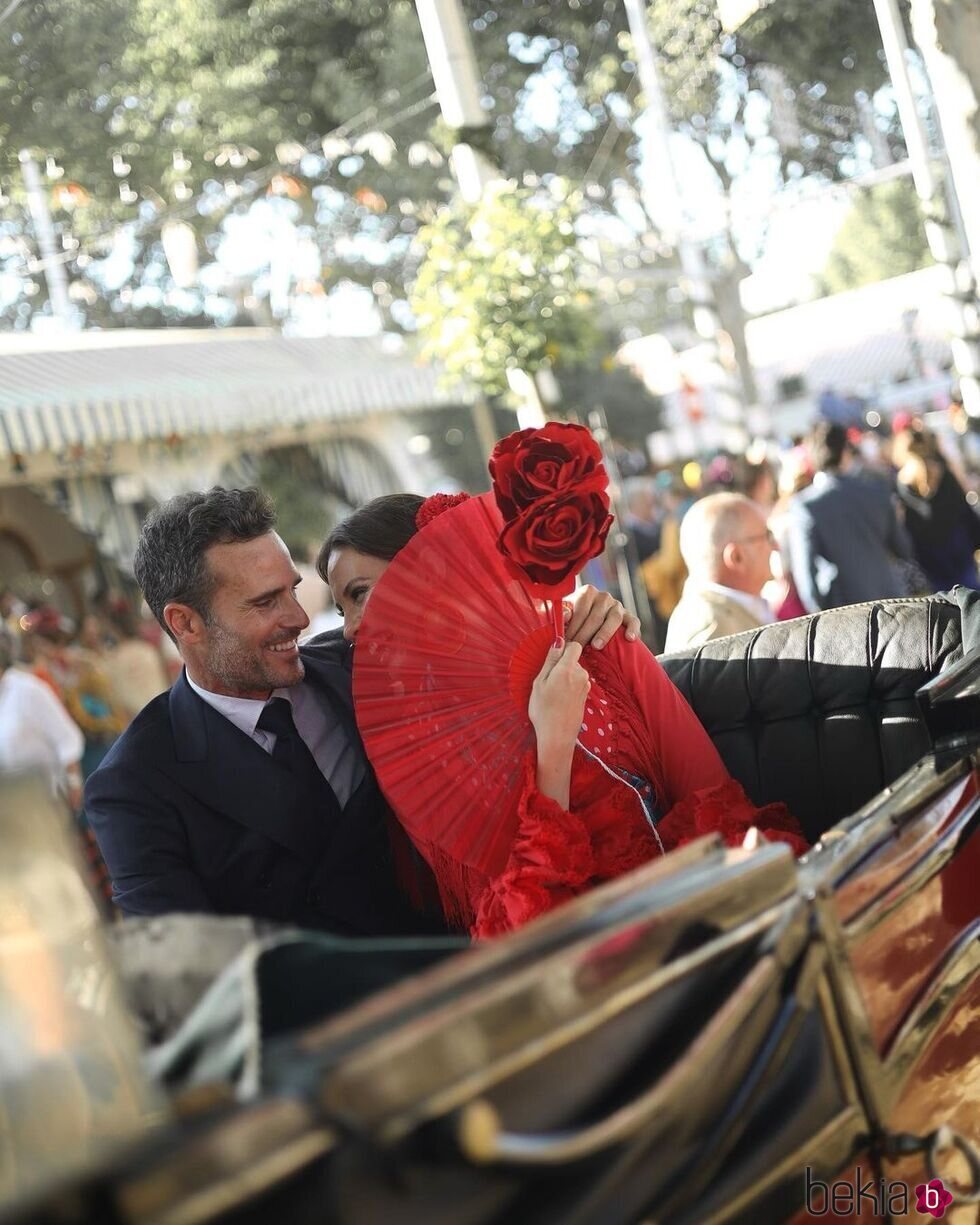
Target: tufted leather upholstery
{"points": [[821, 712]]}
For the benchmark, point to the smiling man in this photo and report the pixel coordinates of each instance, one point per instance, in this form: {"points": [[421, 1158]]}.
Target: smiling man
{"points": [[245, 788]]}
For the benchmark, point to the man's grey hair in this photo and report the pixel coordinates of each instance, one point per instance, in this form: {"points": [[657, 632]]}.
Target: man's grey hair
{"points": [[170, 563], [708, 526]]}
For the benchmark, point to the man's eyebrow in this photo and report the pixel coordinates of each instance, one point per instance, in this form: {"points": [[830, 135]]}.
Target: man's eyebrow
{"points": [[267, 595]]}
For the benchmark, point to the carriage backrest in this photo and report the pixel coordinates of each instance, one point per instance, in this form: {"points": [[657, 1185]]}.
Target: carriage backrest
{"points": [[820, 712]]}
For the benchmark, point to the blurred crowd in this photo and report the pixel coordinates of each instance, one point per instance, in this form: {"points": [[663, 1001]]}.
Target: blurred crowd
{"points": [[714, 547], [68, 689], [839, 516]]}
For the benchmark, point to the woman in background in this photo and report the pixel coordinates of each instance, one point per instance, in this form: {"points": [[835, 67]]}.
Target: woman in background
{"points": [[943, 526]]}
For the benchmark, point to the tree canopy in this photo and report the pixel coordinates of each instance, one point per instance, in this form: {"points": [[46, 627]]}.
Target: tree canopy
{"points": [[881, 237], [197, 109], [500, 286]]}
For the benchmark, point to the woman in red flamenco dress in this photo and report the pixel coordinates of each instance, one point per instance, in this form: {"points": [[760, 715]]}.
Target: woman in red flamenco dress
{"points": [[620, 770]]}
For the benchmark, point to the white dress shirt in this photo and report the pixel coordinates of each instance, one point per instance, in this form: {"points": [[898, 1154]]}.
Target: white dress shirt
{"points": [[341, 763], [36, 732]]}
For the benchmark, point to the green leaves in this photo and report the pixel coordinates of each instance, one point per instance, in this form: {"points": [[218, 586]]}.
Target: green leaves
{"points": [[881, 237], [498, 287]]}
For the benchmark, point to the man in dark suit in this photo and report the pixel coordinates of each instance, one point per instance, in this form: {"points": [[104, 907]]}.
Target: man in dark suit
{"points": [[844, 532], [245, 788]]}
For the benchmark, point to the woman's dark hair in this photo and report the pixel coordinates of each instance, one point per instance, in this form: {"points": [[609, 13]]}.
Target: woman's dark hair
{"points": [[749, 475], [828, 444], [170, 563], [923, 444], [380, 528]]}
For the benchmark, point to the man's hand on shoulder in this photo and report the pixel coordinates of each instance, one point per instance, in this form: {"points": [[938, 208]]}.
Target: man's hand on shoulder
{"points": [[593, 616]]}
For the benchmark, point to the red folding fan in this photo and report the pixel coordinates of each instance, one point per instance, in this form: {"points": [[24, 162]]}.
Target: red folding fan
{"points": [[446, 655]]}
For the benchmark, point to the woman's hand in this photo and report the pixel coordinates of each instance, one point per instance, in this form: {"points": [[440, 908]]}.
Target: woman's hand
{"points": [[555, 710], [592, 617]]}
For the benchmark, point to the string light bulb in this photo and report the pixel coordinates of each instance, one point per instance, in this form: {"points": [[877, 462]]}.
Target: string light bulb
{"points": [[424, 153], [235, 156], [378, 145], [290, 152], [69, 196], [334, 147], [286, 185]]}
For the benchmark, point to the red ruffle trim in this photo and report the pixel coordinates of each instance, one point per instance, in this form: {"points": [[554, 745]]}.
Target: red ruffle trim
{"points": [[551, 861], [727, 810], [557, 854]]}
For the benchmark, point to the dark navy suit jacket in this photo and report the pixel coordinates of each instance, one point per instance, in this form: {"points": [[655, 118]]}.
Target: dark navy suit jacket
{"points": [[192, 815], [844, 537]]}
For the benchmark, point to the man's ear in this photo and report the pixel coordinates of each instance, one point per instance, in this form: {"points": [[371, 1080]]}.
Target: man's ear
{"points": [[731, 555], [185, 623]]}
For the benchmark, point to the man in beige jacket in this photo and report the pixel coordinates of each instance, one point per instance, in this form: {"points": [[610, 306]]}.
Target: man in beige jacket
{"points": [[726, 546]]}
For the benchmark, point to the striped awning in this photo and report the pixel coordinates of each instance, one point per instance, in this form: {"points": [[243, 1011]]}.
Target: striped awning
{"points": [[96, 389]]}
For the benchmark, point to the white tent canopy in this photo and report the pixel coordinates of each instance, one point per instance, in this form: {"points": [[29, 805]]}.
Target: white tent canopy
{"points": [[102, 388]]}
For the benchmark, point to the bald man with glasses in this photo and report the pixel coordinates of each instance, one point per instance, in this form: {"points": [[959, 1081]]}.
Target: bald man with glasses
{"points": [[727, 546]]}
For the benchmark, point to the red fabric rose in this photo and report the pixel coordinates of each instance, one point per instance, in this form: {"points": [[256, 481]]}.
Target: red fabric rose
{"points": [[542, 463], [553, 539]]}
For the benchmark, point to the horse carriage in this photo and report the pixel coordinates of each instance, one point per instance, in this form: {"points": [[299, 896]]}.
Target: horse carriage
{"points": [[723, 1035]]}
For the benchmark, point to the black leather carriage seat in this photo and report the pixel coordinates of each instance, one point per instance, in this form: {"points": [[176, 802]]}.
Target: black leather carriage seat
{"points": [[820, 712]]}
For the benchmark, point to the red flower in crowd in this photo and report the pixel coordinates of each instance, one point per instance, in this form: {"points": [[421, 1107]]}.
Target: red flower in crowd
{"points": [[536, 463], [554, 537]]}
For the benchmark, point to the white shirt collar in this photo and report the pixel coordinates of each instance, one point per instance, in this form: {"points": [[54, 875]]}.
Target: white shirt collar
{"points": [[755, 604], [243, 712]]}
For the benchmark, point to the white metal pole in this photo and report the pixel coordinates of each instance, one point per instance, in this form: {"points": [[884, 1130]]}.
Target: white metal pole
{"points": [[896, 54], [957, 105], [453, 64], [932, 190], [54, 270], [662, 190]]}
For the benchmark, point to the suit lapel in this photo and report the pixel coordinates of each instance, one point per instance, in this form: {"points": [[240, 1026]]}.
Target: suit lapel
{"points": [[226, 770]]}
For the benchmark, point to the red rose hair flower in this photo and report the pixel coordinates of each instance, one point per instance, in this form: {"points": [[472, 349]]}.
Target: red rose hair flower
{"points": [[550, 487], [551, 541], [543, 463]]}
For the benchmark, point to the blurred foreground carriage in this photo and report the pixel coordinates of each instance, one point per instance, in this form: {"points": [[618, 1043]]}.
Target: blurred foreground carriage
{"points": [[705, 1040]]}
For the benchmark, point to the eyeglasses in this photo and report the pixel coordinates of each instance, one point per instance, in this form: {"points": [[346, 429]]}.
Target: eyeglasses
{"points": [[766, 535]]}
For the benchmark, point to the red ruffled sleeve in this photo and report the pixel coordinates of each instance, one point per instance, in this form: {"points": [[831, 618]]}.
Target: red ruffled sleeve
{"points": [[550, 861], [726, 809], [558, 854]]}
